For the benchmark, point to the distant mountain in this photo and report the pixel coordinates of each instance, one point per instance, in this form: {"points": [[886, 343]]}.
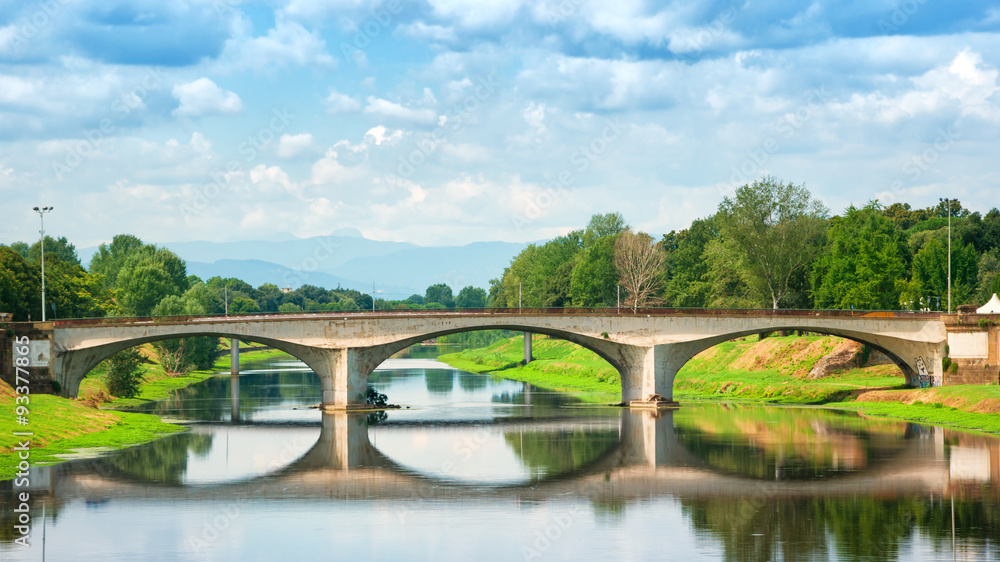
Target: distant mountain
{"points": [[257, 272], [345, 257]]}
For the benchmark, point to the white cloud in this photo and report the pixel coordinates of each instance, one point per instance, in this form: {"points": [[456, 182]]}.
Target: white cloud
{"points": [[203, 97], [381, 135], [290, 146], [386, 108], [288, 43], [341, 103]]}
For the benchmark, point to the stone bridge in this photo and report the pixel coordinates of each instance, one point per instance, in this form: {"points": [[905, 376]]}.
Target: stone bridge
{"points": [[647, 347]]}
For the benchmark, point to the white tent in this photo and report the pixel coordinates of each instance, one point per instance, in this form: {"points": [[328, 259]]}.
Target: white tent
{"points": [[992, 307]]}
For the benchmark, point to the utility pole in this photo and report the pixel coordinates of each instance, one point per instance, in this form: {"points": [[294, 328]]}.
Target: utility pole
{"points": [[41, 214], [519, 296], [619, 307], [226, 292]]}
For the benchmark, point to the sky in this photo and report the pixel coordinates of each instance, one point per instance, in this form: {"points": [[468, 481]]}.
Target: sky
{"points": [[444, 122]]}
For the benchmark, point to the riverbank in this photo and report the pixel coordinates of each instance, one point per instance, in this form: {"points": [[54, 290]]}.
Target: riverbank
{"points": [[771, 371], [63, 428]]}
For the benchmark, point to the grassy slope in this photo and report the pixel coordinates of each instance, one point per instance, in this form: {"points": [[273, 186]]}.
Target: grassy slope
{"points": [[771, 371], [62, 426]]}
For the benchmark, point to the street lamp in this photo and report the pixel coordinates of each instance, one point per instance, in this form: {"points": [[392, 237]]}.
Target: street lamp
{"points": [[948, 202], [41, 214]]}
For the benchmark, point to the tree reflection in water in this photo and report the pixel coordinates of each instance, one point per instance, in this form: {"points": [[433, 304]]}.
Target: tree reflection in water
{"points": [[163, 461]]}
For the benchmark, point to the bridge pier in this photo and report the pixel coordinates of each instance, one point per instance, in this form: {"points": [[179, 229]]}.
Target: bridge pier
{"points": [[650, 371], [343, 374]]}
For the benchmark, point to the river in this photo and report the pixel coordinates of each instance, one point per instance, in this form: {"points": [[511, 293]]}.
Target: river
{"points": [[482, 468]]}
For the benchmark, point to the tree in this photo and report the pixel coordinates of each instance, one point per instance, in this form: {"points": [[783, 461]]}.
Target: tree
{"points": [[601, 226], [54, 248], [930, 274], [110, 257], [146, 277], [123, 375], [863, 264], [471, 297], [20, 286], [439, 293], [989, 276], [594, 279], [639, 263], [773, 230], [686, 282]]}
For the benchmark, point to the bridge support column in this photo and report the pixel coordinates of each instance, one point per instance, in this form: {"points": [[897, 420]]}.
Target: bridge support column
{"points": [[648, 377], [343, 374]]}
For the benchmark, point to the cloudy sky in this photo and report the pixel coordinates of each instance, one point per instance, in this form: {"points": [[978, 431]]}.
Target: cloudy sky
{"points": [[451, 121]]}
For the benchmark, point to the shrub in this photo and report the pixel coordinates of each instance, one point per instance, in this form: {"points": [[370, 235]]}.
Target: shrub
{"points": [[123, 374]]}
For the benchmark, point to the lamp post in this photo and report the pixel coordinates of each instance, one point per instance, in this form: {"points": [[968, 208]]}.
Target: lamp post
{"points": [[948, 201], [41, 215]]}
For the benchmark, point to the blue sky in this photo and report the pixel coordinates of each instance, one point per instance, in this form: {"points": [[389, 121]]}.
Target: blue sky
{"points": [[451, 121]]}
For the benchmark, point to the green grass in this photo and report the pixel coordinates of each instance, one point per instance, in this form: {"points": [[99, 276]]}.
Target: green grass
{"points": [[61, 426], [935, 413], [558, 365]]}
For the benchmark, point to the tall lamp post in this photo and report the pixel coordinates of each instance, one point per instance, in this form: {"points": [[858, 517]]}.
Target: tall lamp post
{"points": [[41, 214], [948, 201]]}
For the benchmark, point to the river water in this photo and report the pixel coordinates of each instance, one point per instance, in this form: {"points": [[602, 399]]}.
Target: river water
{"points": [[482, 468]]}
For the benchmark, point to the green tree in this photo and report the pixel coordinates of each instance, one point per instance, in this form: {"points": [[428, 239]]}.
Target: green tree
{"points": [[602, 226], [595, 281], [686, 267], [21, 248], [862, 265], [109, 258], [988, 279], [146, 277], [122, 373], [772, 231], [439, 293], [20, 286], [471, 297], [54, 248], [930, 274]]}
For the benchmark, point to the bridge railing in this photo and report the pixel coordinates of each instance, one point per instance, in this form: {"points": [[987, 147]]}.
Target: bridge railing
{"points": [[604, 311]]}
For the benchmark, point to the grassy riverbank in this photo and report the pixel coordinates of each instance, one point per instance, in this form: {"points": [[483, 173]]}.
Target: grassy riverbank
{"points": [[772, 371], [64, 427]]}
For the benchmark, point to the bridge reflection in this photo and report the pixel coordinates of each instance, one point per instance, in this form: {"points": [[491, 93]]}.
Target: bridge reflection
{"points": [[653, 455]]}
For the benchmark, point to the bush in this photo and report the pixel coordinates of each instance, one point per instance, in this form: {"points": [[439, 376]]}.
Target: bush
{"points": [[123, 374]]}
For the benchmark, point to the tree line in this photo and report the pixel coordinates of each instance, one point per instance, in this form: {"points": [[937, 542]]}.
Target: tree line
{"points": [[769, 245]]}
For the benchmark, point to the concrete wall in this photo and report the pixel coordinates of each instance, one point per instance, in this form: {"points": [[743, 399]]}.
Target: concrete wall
{"points": [[40, 378], [974, 347]]}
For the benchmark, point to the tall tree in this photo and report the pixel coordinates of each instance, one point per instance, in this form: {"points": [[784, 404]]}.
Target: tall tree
{"points": [[686, 282], [58, 248], [594, 281], [772, 230], [109, 258], [639, 262], [863, 264], [439, 293], [471, 297]]}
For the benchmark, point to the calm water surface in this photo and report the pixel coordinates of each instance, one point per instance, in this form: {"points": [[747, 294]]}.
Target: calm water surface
{"points": [[482, 468]]}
